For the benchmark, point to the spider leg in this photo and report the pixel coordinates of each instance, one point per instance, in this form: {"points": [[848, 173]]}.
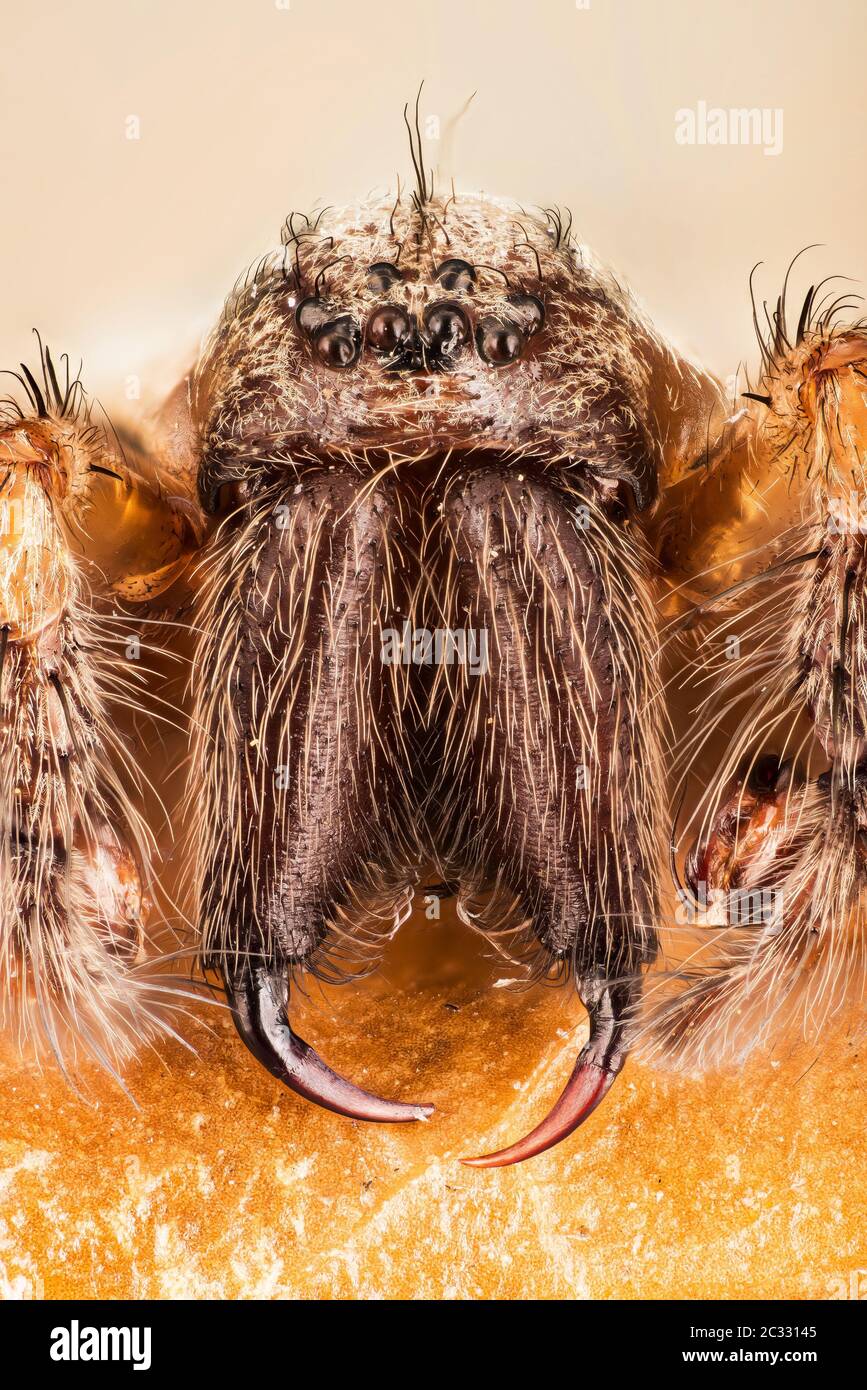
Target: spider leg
{"points": [[762, 542], [74, 849]]}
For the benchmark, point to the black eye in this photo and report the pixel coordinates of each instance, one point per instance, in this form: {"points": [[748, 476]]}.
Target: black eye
{"points": [[531, 312], [499, 343], [338, 343], [311, 314], [382, 275], [388, 328], [448, 328], [455, 275]]}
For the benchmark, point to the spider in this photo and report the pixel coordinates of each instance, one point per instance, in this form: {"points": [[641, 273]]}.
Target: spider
{"points": [[421, 415]]}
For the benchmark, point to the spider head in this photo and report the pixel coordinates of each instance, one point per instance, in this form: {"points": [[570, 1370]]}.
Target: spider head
{"points": [[417, 330]]}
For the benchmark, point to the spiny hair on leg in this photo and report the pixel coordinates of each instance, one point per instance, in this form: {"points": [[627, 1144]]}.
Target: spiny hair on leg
{"points": [[78, 975], [790, 971]]}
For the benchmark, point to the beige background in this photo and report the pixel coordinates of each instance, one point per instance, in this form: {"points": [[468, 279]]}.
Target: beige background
{"points": [[121, 250]]}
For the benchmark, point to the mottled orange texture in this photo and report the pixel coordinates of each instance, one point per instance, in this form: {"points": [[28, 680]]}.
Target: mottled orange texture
{"points": [[222, 1185]]}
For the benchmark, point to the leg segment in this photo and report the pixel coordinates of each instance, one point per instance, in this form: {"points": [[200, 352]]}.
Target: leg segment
{"points": [[133, 526], [73, 848], [772, 526]]}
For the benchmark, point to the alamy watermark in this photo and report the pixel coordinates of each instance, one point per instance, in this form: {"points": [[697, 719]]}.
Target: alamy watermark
{"points": [[852, 1285], [12, 516], [442, 646], [77, 1343], [730, 125]]}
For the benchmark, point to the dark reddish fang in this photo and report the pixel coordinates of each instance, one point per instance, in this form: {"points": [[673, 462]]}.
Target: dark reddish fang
{"points": [[599, 1063], [258, 998], [586, 1087]]}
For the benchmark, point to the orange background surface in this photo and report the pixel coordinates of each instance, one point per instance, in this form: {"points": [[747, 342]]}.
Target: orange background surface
{"points": [[224, 1185]]}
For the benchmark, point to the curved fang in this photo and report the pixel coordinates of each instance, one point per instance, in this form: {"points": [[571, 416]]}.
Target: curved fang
{"points": [[258, 997], [586, 1087], [599, 1062]]}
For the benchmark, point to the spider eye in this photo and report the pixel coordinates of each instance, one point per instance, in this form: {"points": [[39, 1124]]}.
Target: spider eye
{"points": [[388, 328], [382, 275], [311, 314], [499, 342], [338, 343], [530, 310], [448, 328], [455, 274]]}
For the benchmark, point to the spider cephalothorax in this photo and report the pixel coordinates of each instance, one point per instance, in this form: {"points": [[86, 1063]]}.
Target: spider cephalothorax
{"points": [[460, 325], [444, 468]]}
